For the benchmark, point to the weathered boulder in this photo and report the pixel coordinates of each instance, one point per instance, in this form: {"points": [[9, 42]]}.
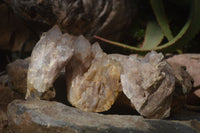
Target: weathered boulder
{"points": [[48, 58], [149, 84], [44, 116], [93, 82]]}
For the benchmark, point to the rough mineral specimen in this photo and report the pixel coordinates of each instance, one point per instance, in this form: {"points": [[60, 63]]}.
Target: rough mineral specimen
{"points": [[48, 58], [149, 84], [95, 79], [96, 88]]}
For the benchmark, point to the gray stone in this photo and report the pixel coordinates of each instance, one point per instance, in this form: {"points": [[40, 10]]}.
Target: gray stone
{"points": [[48, 58], [51, 117]]}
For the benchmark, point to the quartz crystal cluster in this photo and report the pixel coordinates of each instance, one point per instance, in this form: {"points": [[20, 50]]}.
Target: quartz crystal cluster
{"points": [[95, 79], [149, 84], [48, 58], [97, 86]]}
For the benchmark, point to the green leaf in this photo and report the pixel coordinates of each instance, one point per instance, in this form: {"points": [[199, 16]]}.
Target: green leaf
{"points": [[189, 30], [125, 46], [159, 12], [153, 36]]}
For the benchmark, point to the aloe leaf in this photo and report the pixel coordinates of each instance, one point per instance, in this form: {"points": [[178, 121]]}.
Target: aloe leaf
{"points": [[188, 32], [153, 36], [159, 11], [125, 46]]}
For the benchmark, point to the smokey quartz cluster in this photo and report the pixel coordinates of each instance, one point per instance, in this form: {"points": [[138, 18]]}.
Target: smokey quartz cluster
{"points": [[48, 58], [95, 79], [97, 86], [149, 84]]}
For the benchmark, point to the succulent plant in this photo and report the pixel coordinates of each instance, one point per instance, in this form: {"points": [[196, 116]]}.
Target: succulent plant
{"points": [[159, 29]]}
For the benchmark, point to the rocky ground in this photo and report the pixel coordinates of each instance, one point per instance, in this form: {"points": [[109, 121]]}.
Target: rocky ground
{"points": [[57, 115]]}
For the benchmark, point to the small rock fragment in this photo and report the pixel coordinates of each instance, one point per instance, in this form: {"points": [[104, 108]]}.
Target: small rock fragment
{"points": [[48, 58], [17, 72], [96, 88], [149, 84]]}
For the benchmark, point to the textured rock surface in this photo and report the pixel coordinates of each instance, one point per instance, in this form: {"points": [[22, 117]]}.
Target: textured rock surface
{"points": [[52, 117], [79, 16], [192, 63], [149, 84], [48, 58], [17, 72], [96, 87]]}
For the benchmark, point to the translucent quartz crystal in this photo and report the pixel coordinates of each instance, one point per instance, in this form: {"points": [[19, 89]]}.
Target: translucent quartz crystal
{"points": [[92, 88], [149, 84], [49, 57]]}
